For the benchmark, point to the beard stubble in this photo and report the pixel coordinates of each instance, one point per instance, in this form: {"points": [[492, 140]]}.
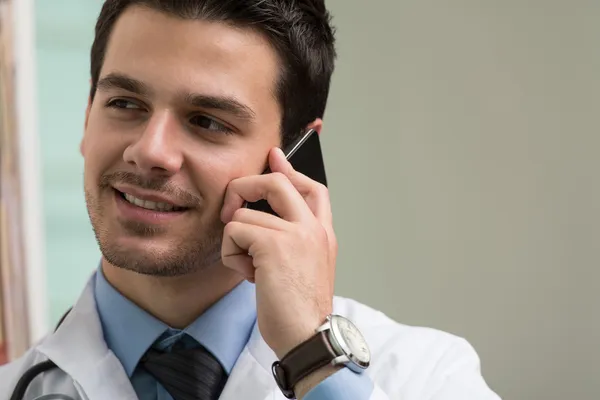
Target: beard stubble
{"points": [[184, 255]]}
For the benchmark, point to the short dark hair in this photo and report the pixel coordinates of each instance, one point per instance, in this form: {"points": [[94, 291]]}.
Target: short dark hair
{"points": [[299, 30]]}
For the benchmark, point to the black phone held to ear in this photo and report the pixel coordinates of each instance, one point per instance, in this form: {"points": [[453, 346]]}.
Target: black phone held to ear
{"points": [[306, 157]]}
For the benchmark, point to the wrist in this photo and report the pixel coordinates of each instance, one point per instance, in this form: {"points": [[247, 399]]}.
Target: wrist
{"points": [[295, 336], [313, 380], [335, 344]]}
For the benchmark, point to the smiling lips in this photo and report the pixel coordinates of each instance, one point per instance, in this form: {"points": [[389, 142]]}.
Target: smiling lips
{"points": [[151, 205]]}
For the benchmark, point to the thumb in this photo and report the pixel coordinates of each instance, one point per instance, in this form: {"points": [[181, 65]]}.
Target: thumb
{"points": [[278, 162]]}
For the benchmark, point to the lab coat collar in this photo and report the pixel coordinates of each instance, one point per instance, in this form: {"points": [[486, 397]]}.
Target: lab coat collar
{"points": [[252, 372], [259, 349], [81, 329]]}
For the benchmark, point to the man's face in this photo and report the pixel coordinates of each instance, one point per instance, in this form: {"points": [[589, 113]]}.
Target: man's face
{"points": [[182, 108]]}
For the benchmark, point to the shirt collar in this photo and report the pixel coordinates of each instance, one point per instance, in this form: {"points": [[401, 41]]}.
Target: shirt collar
{"points": [[224, 329]]}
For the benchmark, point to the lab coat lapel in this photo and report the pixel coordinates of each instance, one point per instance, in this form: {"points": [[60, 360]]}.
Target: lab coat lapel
{"points": [[79, 349], [251, 377]]}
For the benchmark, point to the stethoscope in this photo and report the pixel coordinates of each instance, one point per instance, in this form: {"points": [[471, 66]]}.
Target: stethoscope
{"points": [[33, 372]]}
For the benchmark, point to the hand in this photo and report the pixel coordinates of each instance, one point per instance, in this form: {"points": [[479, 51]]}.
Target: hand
{"points": [[291, 259]]}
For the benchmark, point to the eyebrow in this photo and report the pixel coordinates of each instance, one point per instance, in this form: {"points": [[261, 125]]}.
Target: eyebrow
{"points": [[119, 81], [230, 105], [226, 104]]}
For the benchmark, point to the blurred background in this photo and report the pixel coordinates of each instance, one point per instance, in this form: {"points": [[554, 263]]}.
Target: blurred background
{"points": [[461, 142]]}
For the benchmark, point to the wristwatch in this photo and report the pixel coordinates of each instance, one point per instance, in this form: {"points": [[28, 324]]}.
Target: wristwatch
{"points": [[337, 342]]}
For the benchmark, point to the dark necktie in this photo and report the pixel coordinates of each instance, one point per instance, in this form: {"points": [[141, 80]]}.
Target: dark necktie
{"points": [[187, 374]]}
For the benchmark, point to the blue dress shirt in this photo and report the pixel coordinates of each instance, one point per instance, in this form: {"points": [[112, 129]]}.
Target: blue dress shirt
{"points": [[224, 330]]}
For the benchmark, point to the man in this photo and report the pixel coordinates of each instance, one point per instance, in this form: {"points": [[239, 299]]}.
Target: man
{"points": [[198, 297]]}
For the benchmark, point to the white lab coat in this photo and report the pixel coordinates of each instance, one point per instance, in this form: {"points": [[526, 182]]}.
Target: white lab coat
{"points": [[407, 363]]}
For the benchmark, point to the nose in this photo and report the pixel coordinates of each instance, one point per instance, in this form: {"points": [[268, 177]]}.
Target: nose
{"points": [[157, 149]]}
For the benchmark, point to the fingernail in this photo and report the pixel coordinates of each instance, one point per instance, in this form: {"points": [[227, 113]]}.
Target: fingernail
{"points": [[280, 152]]}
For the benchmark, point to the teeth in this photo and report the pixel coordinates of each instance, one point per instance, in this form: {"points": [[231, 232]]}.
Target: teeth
{"points": [[151, 205]]}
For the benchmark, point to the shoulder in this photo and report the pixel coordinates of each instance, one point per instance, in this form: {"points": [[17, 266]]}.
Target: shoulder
{"points": [[412, 361], [11, 373], [387, 333]]}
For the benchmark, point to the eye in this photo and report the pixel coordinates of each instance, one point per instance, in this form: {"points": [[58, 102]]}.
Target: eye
{"points": [[123, 104], [204, 122]]}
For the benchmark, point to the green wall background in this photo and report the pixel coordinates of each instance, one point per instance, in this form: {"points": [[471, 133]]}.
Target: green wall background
{"points": [[64, 33]]}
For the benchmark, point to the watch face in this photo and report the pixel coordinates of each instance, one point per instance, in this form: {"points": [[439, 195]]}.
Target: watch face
{"points": [[351, 340]]}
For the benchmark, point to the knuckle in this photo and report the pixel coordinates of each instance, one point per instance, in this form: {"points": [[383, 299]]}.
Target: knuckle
{"points": [[322, 189], [322, 236], [304, 236], [231, 228], [319, 191], [313, 235], [239, 214], [231, 187], [333, 244], [279, 178]]}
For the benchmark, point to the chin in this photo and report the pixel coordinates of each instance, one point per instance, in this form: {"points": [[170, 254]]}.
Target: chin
{"points": [[159, 255]]}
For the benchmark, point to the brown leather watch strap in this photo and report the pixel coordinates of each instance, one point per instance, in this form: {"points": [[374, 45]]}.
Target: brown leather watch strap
{"points": [[306, 358]]}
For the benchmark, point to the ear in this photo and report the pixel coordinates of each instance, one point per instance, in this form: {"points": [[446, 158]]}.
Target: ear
{"points": [[317, 125], [85, 125]]}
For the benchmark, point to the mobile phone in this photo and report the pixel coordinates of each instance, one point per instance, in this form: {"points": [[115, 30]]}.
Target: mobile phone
{"points": [[306, 157]]}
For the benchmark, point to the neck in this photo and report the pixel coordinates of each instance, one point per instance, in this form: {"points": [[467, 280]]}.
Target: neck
{"points": [[176, 301]]}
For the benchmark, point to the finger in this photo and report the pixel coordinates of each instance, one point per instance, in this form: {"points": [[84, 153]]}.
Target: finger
{"points": [[275, 188], [315, 194], [242, 264], [238, 240], [259, 218]]}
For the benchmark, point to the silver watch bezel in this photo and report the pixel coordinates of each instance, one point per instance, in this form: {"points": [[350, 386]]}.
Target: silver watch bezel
{"points": [[344, 355]]}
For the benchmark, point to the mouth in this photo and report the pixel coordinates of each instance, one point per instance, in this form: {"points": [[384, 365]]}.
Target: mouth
{"points": [[151, 206]]}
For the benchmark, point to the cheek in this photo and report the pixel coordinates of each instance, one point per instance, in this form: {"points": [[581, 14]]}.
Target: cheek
{"points": [[101, 152], [214, 171]]}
